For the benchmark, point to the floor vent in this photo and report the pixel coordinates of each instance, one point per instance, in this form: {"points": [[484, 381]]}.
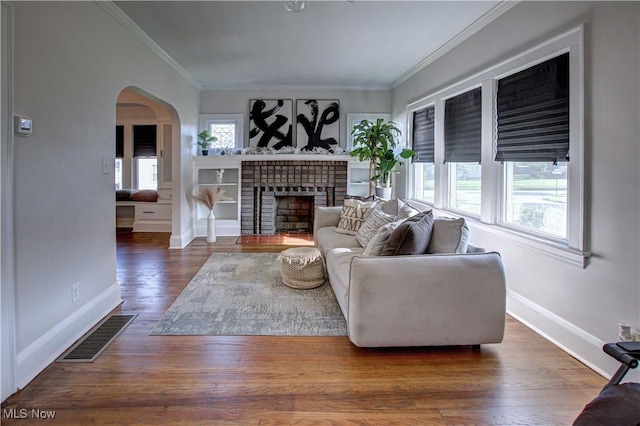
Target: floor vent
{"points": [[89, 347]]}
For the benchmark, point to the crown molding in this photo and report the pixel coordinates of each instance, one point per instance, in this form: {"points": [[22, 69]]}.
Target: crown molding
{"points": [[119, 16], [258, 87], [470, 30]]}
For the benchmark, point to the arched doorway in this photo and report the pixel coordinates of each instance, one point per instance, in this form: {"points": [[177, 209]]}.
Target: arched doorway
{"points": [[146, 129]]}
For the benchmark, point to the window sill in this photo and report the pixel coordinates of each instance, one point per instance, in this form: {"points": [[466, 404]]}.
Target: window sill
{"points": [[553, 249]]}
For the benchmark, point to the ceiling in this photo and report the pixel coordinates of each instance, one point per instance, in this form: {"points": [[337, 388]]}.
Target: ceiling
{"points": [[338, 44]]}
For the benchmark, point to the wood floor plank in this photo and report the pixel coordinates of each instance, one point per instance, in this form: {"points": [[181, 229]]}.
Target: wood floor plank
{"points": [[283, 380]]}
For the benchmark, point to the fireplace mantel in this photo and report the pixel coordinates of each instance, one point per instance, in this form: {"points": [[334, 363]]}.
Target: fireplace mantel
{"points": [[338, 176], [237, 159]]}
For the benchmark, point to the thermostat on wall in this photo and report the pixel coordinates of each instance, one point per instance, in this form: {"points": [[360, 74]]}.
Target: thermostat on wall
{"points": [[22, 125]]}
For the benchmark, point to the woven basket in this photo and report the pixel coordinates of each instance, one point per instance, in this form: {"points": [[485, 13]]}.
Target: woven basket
{"points": [[302, 267]]}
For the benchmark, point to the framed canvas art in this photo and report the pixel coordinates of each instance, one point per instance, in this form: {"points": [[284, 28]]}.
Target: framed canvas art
{"points": [[318, 124], [271, 123]]}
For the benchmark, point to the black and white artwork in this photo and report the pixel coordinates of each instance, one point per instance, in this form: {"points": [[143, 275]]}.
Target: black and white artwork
{"points": [[318, 124], [271, 122]]}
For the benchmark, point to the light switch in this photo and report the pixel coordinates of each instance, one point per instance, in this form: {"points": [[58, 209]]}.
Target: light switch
{"points": [[105, 166]]}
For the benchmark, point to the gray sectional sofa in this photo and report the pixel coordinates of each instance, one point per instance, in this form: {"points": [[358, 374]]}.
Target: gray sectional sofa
{"points": [[412, 300]]}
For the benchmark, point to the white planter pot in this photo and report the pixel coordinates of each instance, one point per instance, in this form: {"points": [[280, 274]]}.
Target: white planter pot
{"points": [[384, 193]]}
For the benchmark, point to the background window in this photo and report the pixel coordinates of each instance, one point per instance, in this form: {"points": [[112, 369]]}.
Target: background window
{"points": [[226, 134], [533, 143], [228, 128], [536, 197], [462, 150], [422, 142]]}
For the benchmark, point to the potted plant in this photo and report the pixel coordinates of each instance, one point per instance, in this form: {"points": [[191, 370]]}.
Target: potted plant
{"points": [[205, 138], [386, 168], [375, 142]]}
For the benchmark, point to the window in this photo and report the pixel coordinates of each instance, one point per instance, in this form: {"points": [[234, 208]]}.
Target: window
{"points": [[119, 156], [422, 142], [228, 128], [532, 138], [144, 154], [509, 153], [462, 150]]}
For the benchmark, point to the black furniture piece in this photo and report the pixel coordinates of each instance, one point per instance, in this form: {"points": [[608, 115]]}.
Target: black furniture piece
{"points": [[618, 404]]}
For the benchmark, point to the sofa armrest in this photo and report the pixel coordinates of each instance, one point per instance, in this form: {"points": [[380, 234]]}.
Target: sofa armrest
{"points": [[427, 300], [326, 216]]}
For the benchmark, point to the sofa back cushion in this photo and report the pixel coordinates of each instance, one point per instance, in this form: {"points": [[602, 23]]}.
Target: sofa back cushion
{"points": [[449, 236], [353, 215], [412, 236]]}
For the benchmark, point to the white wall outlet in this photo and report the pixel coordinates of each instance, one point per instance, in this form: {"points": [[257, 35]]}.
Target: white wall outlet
{"points": [[75, 292]]}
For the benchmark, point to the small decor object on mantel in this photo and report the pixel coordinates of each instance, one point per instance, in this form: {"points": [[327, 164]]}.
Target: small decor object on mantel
{"points": [[209, 196], [205, 139], [219, 175]]}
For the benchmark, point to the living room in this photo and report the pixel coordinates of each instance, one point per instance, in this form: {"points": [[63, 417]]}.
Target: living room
{"points": [[85, 58]]}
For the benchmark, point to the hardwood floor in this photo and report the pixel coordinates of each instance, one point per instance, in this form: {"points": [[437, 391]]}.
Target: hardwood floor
{"points": [[213, 380]]}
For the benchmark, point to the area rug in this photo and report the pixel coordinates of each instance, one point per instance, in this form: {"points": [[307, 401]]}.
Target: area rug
{"points": [[242, 294]]}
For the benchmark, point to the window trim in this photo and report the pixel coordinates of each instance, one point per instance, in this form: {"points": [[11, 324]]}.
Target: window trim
{"points": [[238, 119], [572, 249]]}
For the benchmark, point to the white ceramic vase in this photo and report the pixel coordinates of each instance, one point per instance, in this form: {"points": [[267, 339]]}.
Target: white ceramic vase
{"points": [[211, 227]]}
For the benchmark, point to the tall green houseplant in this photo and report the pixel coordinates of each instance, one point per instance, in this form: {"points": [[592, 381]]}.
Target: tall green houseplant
{"points": [[375, 142]]}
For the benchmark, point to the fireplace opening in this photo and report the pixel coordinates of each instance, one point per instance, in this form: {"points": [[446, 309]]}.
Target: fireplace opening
{"points": [[294, 213]]}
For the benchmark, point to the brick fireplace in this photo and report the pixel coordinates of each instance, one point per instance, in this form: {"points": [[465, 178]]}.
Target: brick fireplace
{"points": [[280, 196]]}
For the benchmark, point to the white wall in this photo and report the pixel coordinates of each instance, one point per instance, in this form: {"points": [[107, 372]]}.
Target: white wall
{"points": [[351, 101], [72, 60], [577, 308]]}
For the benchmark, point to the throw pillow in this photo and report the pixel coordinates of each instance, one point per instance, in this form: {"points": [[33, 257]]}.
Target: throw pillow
{"points": [[376, 243], [390, 207], [353, 214], [148, 195], [449, 236], [374, 221], [406, 211], [411, 237]]}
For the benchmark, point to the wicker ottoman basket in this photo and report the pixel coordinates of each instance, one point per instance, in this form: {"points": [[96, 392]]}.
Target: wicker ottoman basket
{"points": [[302, 267]]}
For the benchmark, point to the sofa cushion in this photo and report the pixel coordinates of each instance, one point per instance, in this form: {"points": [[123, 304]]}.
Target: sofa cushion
{"points": [[327, 238], [148, 195], [406, 211], [353, 215], [391, 206], [338, 261], [449, 236], [375, 220], [376, 244], [412, 236]]}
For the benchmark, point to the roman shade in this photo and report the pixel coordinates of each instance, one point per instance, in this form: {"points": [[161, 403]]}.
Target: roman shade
{"points": [[533, 113], [423, 135], [144, 141], [119, 141], [463, 127]]}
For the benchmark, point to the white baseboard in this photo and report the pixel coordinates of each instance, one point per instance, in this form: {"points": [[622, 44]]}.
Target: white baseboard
{"points": [[181, 241], [37, 356], [573, 340]]}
